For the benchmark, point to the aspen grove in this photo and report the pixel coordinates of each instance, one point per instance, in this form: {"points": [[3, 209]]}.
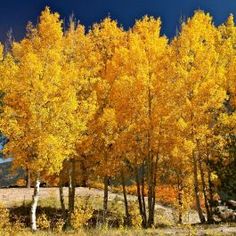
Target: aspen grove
{"points": [[115, 104]]}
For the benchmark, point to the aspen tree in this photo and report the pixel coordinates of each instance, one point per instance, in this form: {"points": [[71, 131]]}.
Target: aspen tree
{"points": [[106, 36], [39, 108], [80, 71], [139, 97], [201, 74]]}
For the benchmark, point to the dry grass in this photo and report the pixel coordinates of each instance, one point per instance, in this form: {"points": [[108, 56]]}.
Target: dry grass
{"points": [[179, 231], [50, 199]]}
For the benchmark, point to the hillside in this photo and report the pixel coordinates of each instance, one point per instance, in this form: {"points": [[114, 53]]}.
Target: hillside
{"points": [[7, 177]]}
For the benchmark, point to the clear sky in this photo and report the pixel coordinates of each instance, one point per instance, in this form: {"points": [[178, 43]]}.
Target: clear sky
{"points": [[16, 13]]}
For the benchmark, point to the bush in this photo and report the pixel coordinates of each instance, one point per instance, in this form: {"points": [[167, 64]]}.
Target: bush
{"points": [[58, 226], [43, 222], [136, 219], [4, 217], [82, 213]]}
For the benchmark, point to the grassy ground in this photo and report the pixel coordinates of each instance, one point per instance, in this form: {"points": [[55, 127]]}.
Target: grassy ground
{"points": [[50, 205], [14, 197], [220, 230]]}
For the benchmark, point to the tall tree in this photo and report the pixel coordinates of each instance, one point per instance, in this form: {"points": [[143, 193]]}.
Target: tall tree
{"points": [[107, 36], [40, 104], [200, 73]]}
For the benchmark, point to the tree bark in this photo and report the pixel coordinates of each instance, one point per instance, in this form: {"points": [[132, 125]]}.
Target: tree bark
{"points": [[128, 219], [209, 218], [105, 197], [196, 189], [62, 201], [210, 185], [143, 198], [71, 188], [150, 190], [151, 220], [180, 200], [139, 193], [211, 200], [34, 204]]}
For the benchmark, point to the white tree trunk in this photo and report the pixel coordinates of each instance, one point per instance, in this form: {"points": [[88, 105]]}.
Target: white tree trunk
{"points": [[35, 199]]}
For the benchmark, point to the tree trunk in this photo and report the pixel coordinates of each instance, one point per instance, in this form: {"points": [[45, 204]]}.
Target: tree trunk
{"points": [[211, 201], [28, 178], [128, 219], [196, 190], [139, 193], [180, 200], [150, 161], [105, 197], [151, 217], [143, 198], [150, 190], [62, 201], [209, 218], [71, 188], [210, 185], [35, 199]]}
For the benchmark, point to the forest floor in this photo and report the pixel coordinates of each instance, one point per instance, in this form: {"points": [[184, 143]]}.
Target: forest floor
{"points": [[13, 197]]}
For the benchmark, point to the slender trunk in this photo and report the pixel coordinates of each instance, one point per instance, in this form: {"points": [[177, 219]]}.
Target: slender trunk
{"points": [[180, 200], [105, 197], [150, 190], [195, 173], [150, 162], [210, 185], [35, 199], [28, 178], [196, 190], [210, 191], [62, 201], [139, 193], [71, 188], [143, 198], [209, 218], [128, 220], [151, 220]]}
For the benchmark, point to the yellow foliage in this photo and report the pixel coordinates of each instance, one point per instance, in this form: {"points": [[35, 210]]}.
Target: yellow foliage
{"points": [[59, 226], [4, 218], [43, 222], [136, 219], [109, 97], [82, 213]]}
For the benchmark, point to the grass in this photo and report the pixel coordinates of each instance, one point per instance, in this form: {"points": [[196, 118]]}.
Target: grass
{"points": [[51, 207], [187, 230]]}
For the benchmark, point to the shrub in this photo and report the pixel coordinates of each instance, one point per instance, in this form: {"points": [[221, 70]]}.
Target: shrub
{"points": [[58, 226], [4, 217], [43, 222], [136, 219], [82, 213]]}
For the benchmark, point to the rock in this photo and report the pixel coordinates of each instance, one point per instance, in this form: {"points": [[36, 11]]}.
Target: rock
{"points": [[225, 213], [231, 204]]}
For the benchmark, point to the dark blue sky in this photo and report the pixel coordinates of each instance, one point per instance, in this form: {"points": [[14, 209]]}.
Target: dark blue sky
{"points": [[16, 13]]}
